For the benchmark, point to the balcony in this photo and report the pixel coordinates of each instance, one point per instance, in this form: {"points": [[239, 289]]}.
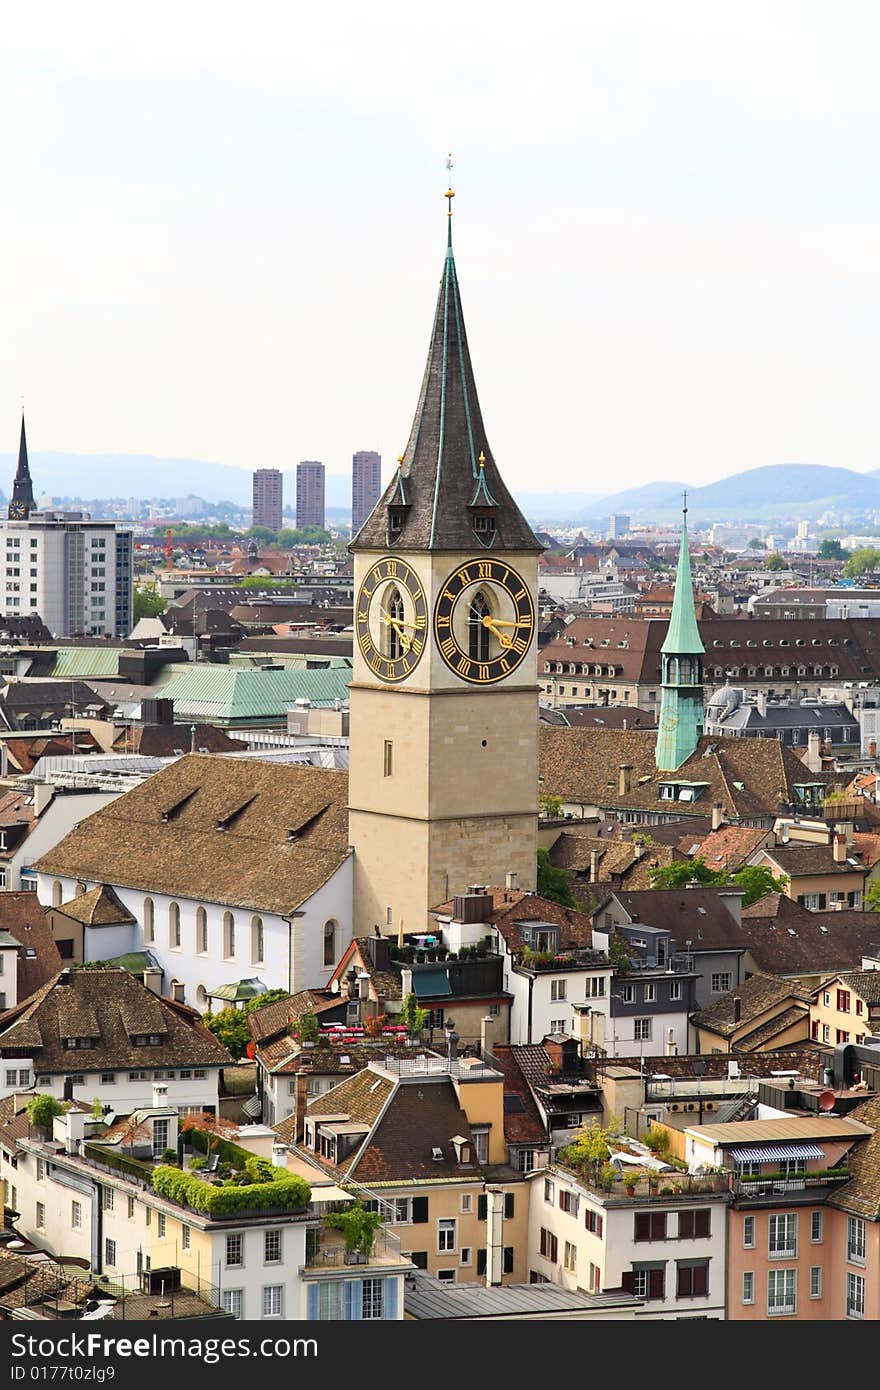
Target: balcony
{"points": [[773, 1187], [641, 1186], [326, 1253]]}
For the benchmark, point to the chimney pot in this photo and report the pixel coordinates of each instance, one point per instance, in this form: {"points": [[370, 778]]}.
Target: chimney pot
{"points": [[737, 1008]]}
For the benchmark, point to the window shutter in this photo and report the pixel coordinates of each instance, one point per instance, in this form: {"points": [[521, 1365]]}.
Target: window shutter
{"points": [[701, 1280], [598, 1224], [419, 1258], [685, 1225], [643, 1225], [482, 1207], [312, 1303], [508, 1203], [702, 1221], [507, 1260], [352, 1300], [481, 1261], [656, 1283], [419, 1210], [390, 1301], [685, 1283], [628, 1281], [658, 1225]]}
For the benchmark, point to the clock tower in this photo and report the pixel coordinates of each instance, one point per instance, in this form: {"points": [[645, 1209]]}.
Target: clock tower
{"points": [[444, 699], [21, 503]]}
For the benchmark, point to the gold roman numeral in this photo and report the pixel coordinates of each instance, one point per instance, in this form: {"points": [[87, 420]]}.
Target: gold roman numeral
{"points": [[391, 569], [463, 666], [520, 595], [418, 646], [503, 663], [448, 648], [443, 620], [484, 569], [483, 673], [520, 645]]}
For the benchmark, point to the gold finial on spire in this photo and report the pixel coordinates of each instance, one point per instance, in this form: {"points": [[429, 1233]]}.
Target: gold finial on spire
{"points": [[449, 194], [400, 458], [482, 459]]}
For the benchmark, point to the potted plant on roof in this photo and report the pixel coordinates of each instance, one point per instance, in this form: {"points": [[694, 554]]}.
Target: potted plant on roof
{"points": [[41, 1111], [358, 1227]]}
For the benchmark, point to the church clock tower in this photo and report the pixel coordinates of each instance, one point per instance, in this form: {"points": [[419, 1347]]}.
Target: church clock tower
{"points": [[443, 700]]}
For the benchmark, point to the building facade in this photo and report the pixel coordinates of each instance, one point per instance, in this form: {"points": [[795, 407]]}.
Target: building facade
{"points": [[310, 493], [366, 485], [268, 498]]}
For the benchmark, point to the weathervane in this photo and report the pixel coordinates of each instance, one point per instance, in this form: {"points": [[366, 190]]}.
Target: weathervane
{"points": [[449, 194]]}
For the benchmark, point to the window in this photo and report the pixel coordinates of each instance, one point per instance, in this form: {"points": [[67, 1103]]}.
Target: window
{"points": [[782, 1235], [465, 1255], [645, 1281], [650, 1225], [548, 1246], [569, 1257], [855, 1240], [568, 1201], [185, 1237], [781, 1291], [371, 1299], [76, 1215], [41, 1215], [388, 760], [826, 1033], [855, 1296], [692, 1278], [174, 926], [842, 1035], [557, 990], [446, 1234], [549, 1190], [228, 936], [110, 1252], [160, 1225], [627, 994], [557, 1025], [446, 1276], [233, 1302], [272, 1248], [130, 1207], [524, 1160], [257, 940], [329, 942], [721, 982], [272, 1300], [843, 1001], [694, 1225], [642, 1029], [595, 988], [149, 920], [816, 1281], [593, 1222], [41, 1170], [478, 633], [815, 1227], [674, 990], [649, 993], [748, 1288], [107, 1195], [234, 1252]]}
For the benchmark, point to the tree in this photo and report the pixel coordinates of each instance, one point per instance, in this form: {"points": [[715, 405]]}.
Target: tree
{"points": [[754, 879], [756, 543], [358, 1226], [757, 880], [774, 561], [42, 1109], [549, 805], [679, 875], [229, 1026], [554, 884], [831, 549], [589, 1149], [305, 1027], [861, 561], [413, 1016], [871, 899], [214, 1126], [148, 602]]}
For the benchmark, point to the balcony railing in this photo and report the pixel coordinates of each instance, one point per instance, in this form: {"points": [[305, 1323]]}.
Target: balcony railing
{"points": [[325, 1249], [665, 1187], [777, 1185]]}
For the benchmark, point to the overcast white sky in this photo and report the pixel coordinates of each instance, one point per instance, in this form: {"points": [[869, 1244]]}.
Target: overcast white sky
{"points": [[223, 229]]}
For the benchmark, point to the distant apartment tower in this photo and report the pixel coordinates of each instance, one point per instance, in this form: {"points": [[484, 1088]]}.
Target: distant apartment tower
{"points": [[619, 526], [310, 493], [366, 485], [268, 498]]}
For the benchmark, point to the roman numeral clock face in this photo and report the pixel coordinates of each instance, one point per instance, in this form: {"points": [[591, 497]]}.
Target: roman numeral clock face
{"points": [[484, 621], [391, 619]]}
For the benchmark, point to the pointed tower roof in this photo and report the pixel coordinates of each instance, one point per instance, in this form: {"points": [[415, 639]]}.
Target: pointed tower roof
{"points": [[23, 488], [683, 635], [447, 476]]}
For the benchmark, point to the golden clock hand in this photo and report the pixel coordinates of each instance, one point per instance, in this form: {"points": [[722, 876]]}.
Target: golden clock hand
{"points": [[503, 640], [398, 623]]}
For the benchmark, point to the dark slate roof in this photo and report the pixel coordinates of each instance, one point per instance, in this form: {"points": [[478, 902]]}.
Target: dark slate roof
{"points": [[792, 940], [696, 915], [441, 476], [426, 1297]]}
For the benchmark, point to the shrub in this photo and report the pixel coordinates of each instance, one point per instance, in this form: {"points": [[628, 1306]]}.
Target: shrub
{"points": [[357, 1225], [287, 1191], [42, 1109], [196, 1163], [169, 1155], [657, 1140]]}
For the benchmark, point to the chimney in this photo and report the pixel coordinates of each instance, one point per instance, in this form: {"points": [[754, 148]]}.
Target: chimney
{"points": [[813, 760], [761, 702], [494, 1238], [510, 881], [43, 793], [451, 1040], [279, 1154], [488, 1030], [638, 849], [717, 816], [405, 981], [178, 991], [845, 828], [624, 779], [838, 848], [363, 985], [152, 978], [160, 1095], [301, 1100], [737, 1008], [594, 866], [671, 1049]]}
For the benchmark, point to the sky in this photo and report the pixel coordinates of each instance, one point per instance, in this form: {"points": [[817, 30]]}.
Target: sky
{"points": [[224, 227]]}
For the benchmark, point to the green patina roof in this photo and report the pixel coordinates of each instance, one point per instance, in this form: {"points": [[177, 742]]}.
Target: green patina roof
{"points": [[241, 989], [227, 694], [135, 962], [74, 662], [683, 635]]}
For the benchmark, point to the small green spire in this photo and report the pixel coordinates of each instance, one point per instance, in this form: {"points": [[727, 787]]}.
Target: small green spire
{"points": [[683, 635]]}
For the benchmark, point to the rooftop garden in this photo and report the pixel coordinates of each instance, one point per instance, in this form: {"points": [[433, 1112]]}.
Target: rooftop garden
{"points": [[255, 1187]]}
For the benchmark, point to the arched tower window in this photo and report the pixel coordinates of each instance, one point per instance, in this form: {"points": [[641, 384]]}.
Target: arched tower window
{"points": [[329, 942], [174, 926], [201, 931], [228, 936], [256, 941], [57, 893], [394, 609], [478, 635], [149, 920]]}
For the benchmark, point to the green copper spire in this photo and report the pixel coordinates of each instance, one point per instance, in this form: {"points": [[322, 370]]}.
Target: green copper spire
{"points": [[683, 635], [681, 699]]}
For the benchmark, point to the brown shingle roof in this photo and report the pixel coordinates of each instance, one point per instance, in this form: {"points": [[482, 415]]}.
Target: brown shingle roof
{"points": [[217, 829], [757, 994], [277, 1016], [510, 906], [729, 848], [803, 861], [112, 1006], [99, 907], [784, 938], [25, 919], [861, 1195], [699, 915]]}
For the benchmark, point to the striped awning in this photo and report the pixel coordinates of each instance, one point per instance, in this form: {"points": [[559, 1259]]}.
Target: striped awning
{"points": [[771, 1153]]}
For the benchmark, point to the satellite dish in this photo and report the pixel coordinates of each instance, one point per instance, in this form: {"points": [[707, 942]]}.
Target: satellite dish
{"points": [[827, 1100], [334, 986]]}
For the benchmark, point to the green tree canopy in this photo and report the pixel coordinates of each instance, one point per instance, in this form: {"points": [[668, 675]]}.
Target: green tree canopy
{"points": [[554, 883], [756, 543], [754, 879], [230, 1026], [862, 561], [412, 1015], [831, 549], [42, 1108], [774, 561], [148, 602]]}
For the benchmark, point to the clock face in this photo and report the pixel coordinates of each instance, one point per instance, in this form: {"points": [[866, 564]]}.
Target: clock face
{"points": [[391, 619], [484, 621], [17, 511]]}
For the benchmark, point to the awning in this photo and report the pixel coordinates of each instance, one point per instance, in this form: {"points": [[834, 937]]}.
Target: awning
{"points": [[431, 984], [770, 1153]]}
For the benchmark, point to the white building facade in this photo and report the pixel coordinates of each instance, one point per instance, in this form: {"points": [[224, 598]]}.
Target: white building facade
{"points": [[74, 572]]}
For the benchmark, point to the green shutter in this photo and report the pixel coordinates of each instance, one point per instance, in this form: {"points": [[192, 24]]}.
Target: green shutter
{"points": [[481, 1261], [419, 1210], [508, 1203], [482, 1207]]}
